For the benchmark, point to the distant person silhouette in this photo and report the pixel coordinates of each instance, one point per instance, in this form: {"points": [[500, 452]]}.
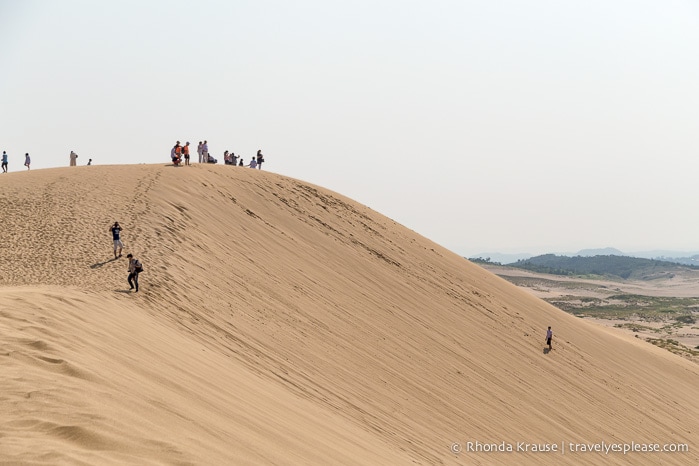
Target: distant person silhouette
{"points": [[549, 336], [253, 163], [241, 163], [27, 160], [89, 162], [260, 159], [4, 161]]}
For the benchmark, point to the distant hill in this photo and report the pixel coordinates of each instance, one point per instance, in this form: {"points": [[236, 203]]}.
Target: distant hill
{"points": [[620, 266], [600, 252]]}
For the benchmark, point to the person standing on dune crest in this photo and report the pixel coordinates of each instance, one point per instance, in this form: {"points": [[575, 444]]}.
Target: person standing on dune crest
{"points": [[185, 152], [205, 152]]}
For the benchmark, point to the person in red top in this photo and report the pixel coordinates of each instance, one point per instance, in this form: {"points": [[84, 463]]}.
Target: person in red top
{"points": [[185, 151]]}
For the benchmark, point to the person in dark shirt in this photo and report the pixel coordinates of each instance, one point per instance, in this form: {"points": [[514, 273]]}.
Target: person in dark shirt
{"points": [[116, 236]]}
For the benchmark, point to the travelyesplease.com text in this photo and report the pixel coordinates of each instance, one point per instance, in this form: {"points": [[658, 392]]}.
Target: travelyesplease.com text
{"points": [[605, 448]]}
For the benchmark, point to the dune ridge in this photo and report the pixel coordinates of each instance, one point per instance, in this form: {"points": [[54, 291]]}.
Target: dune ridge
{"points": [[282, 323]]}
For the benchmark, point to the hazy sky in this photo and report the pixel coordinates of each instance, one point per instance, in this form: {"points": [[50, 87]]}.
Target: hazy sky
{"points": [[487, 126]]}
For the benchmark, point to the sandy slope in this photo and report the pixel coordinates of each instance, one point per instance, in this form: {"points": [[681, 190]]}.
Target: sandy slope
{"points": [[280, 323]]}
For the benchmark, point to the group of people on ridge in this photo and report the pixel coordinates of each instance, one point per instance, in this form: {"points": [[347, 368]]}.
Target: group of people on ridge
{"points": [[27, 161], [178, 152], [74, 159], [255, 162]]}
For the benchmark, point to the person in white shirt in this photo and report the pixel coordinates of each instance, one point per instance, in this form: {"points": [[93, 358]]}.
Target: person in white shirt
{"points": [[73, 159], [253, 163], [205, 152], [199, 150]]}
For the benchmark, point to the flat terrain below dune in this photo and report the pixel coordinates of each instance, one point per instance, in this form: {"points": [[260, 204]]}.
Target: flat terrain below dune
{"points": [[281, 323], [648, 308]]}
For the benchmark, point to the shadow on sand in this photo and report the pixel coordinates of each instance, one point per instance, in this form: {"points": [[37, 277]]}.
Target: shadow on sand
{"points": [[124, 291], [100, 264], [547, 351]]}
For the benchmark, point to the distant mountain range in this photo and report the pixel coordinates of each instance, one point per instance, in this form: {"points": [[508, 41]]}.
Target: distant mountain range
{"points": [[678, 257]]}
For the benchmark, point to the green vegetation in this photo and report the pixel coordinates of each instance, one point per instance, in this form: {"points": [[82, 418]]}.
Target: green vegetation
{"points": [[626, 306], [480, 260], [600, 266], [674, 347], [634, 327]]}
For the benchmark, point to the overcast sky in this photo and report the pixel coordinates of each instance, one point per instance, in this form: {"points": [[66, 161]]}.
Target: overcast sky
{"points": [[487, 126]]}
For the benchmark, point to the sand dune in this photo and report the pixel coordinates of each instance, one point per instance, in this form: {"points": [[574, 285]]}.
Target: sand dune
{"points": [[281, 323]]}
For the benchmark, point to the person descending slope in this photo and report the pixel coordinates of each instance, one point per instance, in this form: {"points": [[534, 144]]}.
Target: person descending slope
{"points": [[116, 236], [135, 267]]}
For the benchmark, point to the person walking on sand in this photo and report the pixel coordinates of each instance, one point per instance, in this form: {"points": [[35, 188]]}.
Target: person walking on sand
{"points": [[73, 159], [4, 161], [260, 159], [549, 336], [135, 268], [27, 160], [185, 151], [116, 236]]}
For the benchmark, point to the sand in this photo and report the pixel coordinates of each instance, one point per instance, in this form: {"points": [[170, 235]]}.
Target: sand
{"points": [[281, 323]]}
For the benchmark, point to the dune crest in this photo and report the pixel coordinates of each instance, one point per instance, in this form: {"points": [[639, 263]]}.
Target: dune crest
{"points": [[281, 323]]}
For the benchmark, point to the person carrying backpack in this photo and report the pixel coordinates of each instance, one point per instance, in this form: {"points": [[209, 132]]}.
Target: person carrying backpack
{"points": [[135, 267]]}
